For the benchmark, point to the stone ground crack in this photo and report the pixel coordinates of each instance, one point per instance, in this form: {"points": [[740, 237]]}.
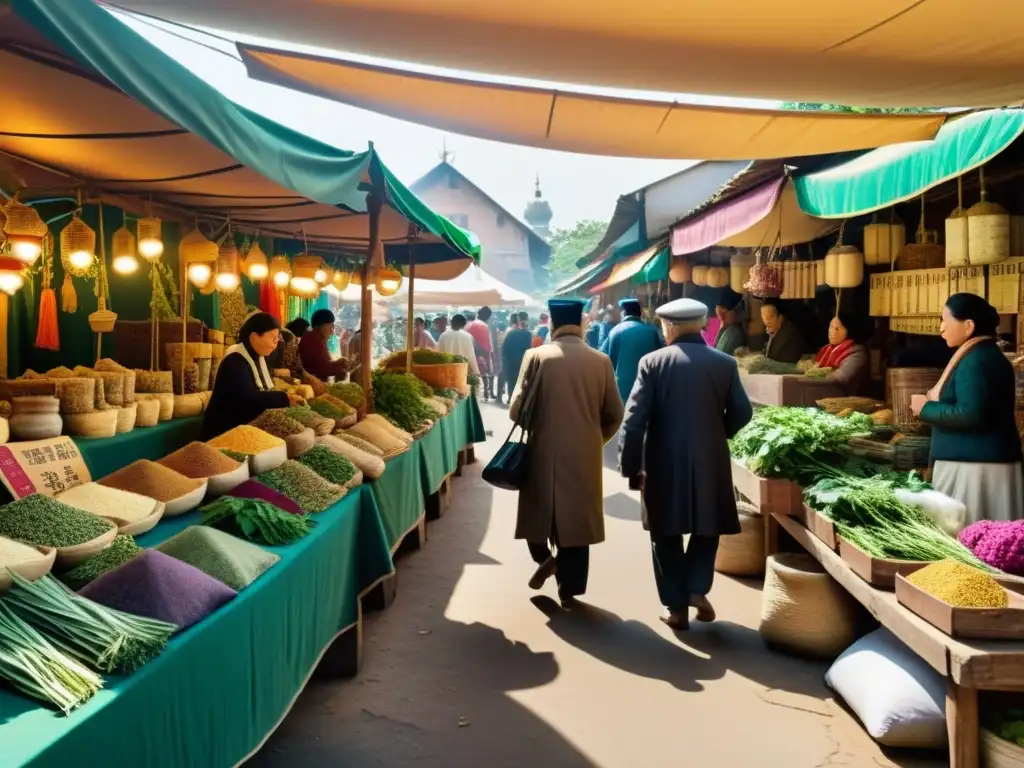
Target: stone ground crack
{"points": [[763, 695]]}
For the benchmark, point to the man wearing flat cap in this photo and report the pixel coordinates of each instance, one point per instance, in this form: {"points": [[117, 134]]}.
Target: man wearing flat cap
{"points": [[685, 405], [575, 410], [627, 342]]}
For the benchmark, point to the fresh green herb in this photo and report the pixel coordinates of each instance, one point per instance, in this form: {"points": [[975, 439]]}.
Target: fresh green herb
{"points": [[46, 522], [348, 391], [328, 410], [767, 365], [398, 397], [120, 551], [447, 393], [421, 356], [257, 520], [301, 484], [331, 466], [1009, 725]]}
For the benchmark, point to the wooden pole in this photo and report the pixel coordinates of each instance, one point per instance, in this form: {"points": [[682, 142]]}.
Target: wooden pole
{"points": [[409, 322], [373, 206]]}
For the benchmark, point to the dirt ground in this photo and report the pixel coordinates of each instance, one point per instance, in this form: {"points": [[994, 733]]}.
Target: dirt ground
{"points": [[470, 668]]}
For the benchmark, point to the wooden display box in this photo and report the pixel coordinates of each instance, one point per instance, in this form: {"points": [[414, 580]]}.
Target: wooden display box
{"points": [[878, 572], [793, 390], [975, 623], [768, 495], [821, 527]]}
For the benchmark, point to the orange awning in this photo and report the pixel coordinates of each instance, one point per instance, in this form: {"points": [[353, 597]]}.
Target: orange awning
{"points": [[580, 122], [890, 53], [628, 268]]}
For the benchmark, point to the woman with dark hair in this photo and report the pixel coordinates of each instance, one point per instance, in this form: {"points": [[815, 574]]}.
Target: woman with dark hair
{"points": [[244, 387], [976, 450], [845, 353], [286, 356]]}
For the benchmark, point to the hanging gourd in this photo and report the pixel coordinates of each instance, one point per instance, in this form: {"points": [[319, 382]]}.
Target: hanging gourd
{"points": [[924, 252], [25, 231], [680, 271], [988, 229], [844, 264], [700, 275], [717, 277], [255, 264], [957, 242], [739, 271]]}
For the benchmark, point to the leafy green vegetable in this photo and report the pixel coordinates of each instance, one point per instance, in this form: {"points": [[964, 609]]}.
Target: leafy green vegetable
{"points": [[767, 365], [421, 356], [257, 520], [399, 397]]}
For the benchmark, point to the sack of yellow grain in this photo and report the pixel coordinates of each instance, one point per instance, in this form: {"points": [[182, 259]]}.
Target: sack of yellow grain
{"points": [[382, 438], [381, 422]]}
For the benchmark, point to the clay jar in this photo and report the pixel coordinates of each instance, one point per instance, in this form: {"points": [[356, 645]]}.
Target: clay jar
{"points": [[35, 418]]}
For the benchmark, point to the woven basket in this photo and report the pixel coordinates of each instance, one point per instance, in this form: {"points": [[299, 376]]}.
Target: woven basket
{"points": [[126, 417], [444, 375], [988, 233], [21, 219], [1000, 753], [901, 384], [165, 400], [76, 236], [196, 247], [147, 413], [742, 554], [102, 321], [803, 610], [95, 424]]}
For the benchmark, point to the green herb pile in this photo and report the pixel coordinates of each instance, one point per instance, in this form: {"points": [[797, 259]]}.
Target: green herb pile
{"points": [[236, 455], [256, 520], [799, 444], [331, 466], [399, 398], [276, 422], [34, 666], [102, 638], [304, 486], [767, 365], [422, 356], [46, 522], [447, 393], [327, 410], [348, 391], [306, 416], [120, 551], [866, 512], [228, 559]]}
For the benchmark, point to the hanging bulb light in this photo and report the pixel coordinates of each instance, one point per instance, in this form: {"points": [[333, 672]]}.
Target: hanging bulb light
{"points": [[255, 264], [341, 279], [25, 231], [303, 282], [124, 261], [322, 275], [151, 244], [199, 274], [200, 254], [280, 271], [25, 248], [11, 277], [227, 265], [389, 280], [78, 246]]}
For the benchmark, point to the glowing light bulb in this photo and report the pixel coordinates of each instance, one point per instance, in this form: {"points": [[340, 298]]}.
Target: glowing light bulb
{"points": [[151, 248], [81, 259], [199, 274], [126, 265], [320, 276], [10, 281], [26, 249], [281, 279], [258, 271], [226, 281]]}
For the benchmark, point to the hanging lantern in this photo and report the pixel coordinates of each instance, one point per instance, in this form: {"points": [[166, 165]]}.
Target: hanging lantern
{"points": [[255, 264], [227, 265], [341, 279], [280, 271], [957, 243], [882, 241], [25, 231], [844, 264], [124, 259], [11, 278], [739, 270], [717, 277], [988, 229], [389, 280], [78, 247], [322, 274], [200, 254], [303, 282], [700, 275], [151, 244], [199, 274], [681, 271]]}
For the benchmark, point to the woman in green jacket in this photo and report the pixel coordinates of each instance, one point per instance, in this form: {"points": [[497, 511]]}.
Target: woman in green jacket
{"points": [[976, 450]]}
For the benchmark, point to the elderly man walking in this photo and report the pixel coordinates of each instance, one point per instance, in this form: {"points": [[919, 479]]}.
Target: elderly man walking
{"points": [[627, 343], [576, 411], [685, 405]]}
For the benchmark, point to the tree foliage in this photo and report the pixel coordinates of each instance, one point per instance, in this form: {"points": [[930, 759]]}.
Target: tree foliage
{"points": [[568, 245], [807, 106]]}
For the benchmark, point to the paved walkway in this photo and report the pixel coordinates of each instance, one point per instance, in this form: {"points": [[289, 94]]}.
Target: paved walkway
{"points": [[471, 668]]}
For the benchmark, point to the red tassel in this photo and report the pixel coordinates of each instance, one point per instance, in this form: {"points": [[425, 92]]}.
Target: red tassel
{"points": [[47, 336]]}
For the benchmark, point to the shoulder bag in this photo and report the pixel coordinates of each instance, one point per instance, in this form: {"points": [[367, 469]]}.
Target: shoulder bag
{"points": [[509, 467]]}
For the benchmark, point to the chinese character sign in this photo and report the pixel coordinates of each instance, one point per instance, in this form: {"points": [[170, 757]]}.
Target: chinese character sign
{"points": [[42, 466]]}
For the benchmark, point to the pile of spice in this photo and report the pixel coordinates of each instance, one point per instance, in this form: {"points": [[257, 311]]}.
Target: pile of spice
{"points": [[121, 550], [109, 502], [959, 585], [246, 440], [45, 522], [236, 455], [276, 422], [348, 391], [330, 409], [254, 489], [14, 553], [303, 485], [358, 442], [331, 466], [151, 479], [371, 465], [230, 560], [307, 417], [199, 460]]}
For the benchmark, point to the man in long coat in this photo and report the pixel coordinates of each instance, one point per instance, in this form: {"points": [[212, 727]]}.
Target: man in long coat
{"points": [[575, 411], [686, 404], [627, 342]]}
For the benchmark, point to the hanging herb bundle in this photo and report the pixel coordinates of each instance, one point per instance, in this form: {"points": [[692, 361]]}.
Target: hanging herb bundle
{"points": [[165, 293]]}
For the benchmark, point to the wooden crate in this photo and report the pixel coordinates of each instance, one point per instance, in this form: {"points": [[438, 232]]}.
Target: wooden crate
{"points": [[878, 572], [794, 390], [822, 528], [768, 495], [975, 623]]}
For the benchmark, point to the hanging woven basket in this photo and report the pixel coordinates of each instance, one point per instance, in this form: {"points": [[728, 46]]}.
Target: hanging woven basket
{"points": [[341, 279], [255, 265], [196, 247], [281, 271], [150, 238], [742, 554], [739, 271], [78, 247], [21, 219], [226, 277]]}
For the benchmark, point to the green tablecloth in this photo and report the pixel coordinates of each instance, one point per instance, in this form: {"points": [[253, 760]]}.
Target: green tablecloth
{"points": [[104, 455], [399, 495], [225, 683]]}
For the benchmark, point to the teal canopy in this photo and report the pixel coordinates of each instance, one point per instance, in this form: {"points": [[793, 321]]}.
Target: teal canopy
{"points": [[894, 174], [74, 118], [655, 270]]}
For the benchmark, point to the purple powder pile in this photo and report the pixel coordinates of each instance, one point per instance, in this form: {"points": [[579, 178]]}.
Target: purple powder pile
{"points": [[161, 587], [254, 489]]}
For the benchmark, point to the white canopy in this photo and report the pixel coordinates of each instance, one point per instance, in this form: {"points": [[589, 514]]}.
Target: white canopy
{"points": [[474, 288]]}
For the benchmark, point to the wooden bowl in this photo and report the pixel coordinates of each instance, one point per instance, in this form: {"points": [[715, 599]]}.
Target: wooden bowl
{"points": [[183, 504], [32, 570], [264, 461], [69, 557], [218, 485], [136, 527]]}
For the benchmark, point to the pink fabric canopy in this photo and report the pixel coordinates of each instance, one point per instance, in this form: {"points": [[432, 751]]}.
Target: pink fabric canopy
{"points": [[723, 221]]}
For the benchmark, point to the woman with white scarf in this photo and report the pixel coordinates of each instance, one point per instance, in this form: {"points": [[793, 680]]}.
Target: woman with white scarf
{"points": [[244, 387]]}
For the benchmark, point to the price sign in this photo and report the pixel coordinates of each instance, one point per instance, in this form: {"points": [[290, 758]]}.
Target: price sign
{"points": [[42, 466]]}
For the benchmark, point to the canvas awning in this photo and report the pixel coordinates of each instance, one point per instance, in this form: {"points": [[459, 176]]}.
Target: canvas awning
{"points": [[590, 275], [891, 175], [90, 104], [474, 287], [579, 122], [629, 267], [766, 215], [865, 52]]}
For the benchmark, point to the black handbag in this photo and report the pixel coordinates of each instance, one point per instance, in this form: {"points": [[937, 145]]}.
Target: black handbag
{"points": [[510, 465]]}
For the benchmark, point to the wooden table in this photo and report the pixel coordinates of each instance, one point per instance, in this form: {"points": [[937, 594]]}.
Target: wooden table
{"points": [[969, 667]]}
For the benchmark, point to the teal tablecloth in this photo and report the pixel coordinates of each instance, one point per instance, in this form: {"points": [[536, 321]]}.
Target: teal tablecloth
{"points": [[224, 684], [104, 455]]}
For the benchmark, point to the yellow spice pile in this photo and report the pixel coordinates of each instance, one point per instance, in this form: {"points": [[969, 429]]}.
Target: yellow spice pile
{"points": [[246, 439], [959, 585]]}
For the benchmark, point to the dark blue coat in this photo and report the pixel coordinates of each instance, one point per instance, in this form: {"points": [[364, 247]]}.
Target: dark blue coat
{"points": [[626, 344], [686, 404]]}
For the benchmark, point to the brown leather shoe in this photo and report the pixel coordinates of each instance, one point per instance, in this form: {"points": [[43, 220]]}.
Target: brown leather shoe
{"points": [[544, 572], [678, 621], [705, 611]]}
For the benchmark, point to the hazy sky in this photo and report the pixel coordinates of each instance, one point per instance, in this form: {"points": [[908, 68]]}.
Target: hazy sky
{"points": [[577, 186]]}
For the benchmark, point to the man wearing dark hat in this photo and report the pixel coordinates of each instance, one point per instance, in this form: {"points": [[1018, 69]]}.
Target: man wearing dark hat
{"points": [[575, 411], [316, 359], [731, 335], [627, 342], [686, 404]]}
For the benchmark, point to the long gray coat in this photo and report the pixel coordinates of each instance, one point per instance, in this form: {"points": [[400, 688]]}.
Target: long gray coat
{"points": [[577, 411], [686, 403]]}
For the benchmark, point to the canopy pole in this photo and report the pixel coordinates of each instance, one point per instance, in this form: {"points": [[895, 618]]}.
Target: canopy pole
{"points": [[409, 320], [373, 206]]}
